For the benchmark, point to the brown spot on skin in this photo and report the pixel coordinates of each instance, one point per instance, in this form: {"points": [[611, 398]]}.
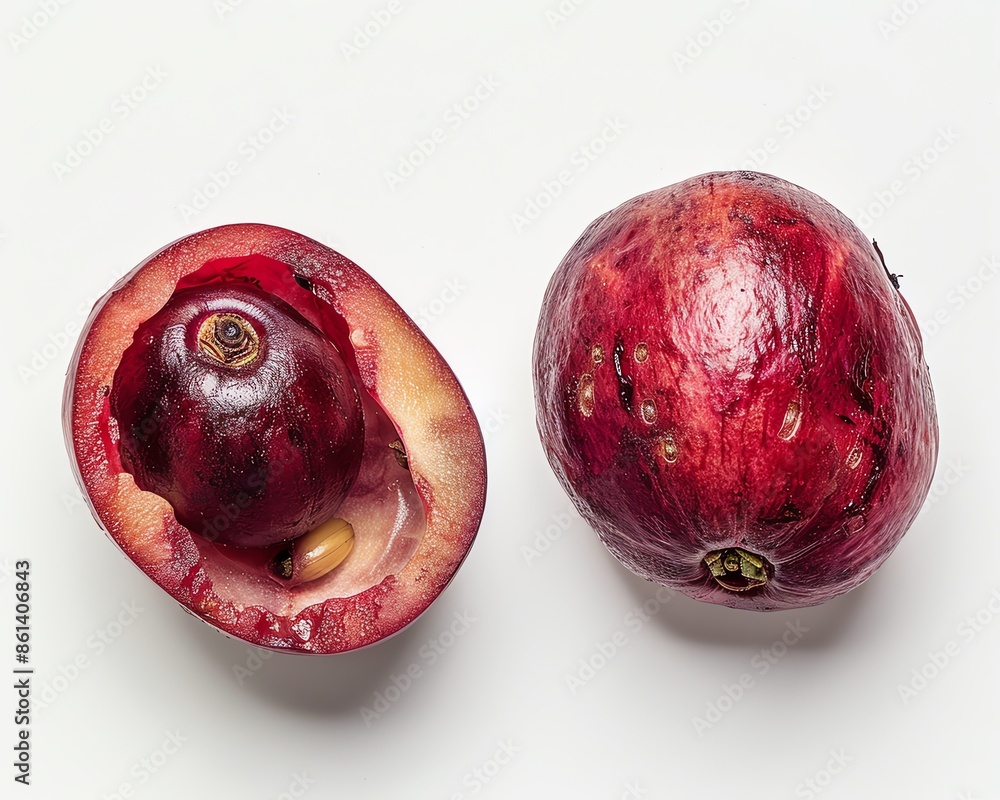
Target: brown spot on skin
{"points": [[789, 512], [399, 451], [667, 448], [585, 394], [648, 411], [859, 382], [625, 388], [281, 565], [791, 422]]}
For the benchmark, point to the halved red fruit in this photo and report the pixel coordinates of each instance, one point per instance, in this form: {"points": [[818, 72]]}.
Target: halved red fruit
{"points": [[371, 427]]}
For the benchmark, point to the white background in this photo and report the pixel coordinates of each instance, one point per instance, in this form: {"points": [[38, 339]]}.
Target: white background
{"points": [[893, 118]]}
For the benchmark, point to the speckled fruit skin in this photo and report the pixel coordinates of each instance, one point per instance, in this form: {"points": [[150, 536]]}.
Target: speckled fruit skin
{"points": [[414, 521], [726, 363]]}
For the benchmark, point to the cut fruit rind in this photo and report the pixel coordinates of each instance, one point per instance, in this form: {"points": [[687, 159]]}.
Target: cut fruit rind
{"points": [[414, 526]]}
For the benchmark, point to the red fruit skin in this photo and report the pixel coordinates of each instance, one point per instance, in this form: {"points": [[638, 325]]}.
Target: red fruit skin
{"points": [[409, 389], [752, 298]]}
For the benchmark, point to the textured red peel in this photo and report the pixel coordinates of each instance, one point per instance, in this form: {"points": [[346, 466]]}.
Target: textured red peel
{"points": [[725, 363], [413, 527]]}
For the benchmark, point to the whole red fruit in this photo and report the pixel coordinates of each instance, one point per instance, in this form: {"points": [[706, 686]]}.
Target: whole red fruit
{"points": [[733, 392]]}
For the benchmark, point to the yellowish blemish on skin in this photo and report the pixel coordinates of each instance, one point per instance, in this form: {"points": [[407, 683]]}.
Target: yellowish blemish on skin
{"points": [[791, 422], [667, 446], [358, 338], [648, 411], [585, 394]]}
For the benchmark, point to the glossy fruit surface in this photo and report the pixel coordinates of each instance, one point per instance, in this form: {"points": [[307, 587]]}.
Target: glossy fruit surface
{"points": [[270, 438], [733, 392], [228, 397]]}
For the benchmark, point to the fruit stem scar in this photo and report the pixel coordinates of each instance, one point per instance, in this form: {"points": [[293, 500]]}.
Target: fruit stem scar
{"points": [[892, 277], [736, 569], [229, 339]]}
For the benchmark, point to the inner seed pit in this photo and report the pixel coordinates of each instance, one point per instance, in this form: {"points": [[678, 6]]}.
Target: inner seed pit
{"points": [[597, 354], [314, 554], [641, 352]]}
